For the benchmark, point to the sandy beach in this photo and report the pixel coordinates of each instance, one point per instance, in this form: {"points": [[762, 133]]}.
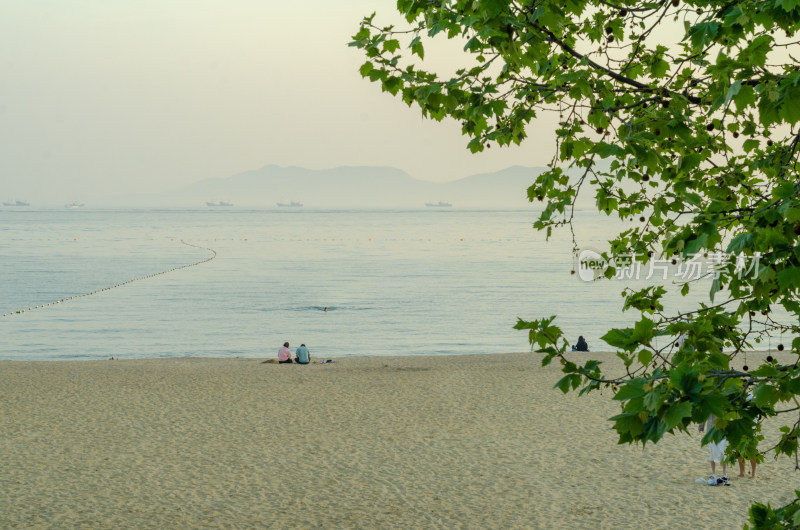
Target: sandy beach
{"points": [[461, 441]]}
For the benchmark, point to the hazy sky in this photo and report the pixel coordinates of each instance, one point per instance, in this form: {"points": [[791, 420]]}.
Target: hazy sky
{"points": [[146, 95]]}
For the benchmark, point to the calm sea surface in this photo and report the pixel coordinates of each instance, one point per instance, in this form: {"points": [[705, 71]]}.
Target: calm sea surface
{"points": [[418, 282]]}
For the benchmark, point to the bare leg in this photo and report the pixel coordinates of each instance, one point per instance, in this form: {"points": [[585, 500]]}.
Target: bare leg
{"points": [[724, 467], [753, 469], [741, 467], [713, 468]]}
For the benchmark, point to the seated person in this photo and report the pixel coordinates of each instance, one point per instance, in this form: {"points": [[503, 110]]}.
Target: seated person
{"points": [[285, 354], [581, 346], [302, 356]]}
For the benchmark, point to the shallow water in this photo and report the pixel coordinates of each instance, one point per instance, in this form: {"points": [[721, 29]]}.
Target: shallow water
{"points": [[414, 282]]}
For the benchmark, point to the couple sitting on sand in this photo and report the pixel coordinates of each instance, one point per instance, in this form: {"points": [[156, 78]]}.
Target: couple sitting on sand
{"points": [[301, 356]]}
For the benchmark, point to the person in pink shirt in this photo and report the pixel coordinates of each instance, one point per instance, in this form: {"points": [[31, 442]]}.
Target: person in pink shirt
{"points": [[284, 354]]}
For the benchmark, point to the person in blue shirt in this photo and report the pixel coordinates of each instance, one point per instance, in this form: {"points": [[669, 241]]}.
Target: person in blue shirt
{"points": [[302, 356]]}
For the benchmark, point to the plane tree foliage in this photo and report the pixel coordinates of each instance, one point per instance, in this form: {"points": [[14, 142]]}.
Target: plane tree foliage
{"points": [[677, 116]]}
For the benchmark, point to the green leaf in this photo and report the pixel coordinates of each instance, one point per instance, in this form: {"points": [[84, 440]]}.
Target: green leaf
{"points": [[391, 45], [628, 423], [494, 7], [755, 53], [790, 109], [703, 34], [732, 91], [784, 190], [676, 413], [365, 69], [630, 390], [749, 145], [645, 356], [764, 395], [659, 68], [618, 338], [789, 278], [740, 243], [788, 5]]}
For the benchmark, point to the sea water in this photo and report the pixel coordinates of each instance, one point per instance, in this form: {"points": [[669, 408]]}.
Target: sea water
{"points": [[221, 282]]}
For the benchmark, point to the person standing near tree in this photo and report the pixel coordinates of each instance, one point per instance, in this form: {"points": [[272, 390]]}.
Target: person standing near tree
{"points": [[747, 449], [716, 454]]}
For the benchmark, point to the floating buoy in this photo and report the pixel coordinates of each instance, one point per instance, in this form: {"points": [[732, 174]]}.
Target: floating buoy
{"points": [[213, 255]]}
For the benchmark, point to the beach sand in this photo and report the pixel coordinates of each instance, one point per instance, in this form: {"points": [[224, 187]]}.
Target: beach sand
{"points": [[457, 441]]}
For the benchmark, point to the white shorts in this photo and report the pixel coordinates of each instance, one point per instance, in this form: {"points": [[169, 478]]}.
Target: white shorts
{"points": [[717, 450]]}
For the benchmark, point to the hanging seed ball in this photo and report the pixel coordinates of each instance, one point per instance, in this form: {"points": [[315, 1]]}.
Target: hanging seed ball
{"points": [[769, 358], [752, 313], [641, 219], [736, 135], [611, 38], [646, 177], [674, 261], [649, 253], [780, 347], [572, 271], [609, 29], [657, 132], [769, 142], [540, 198], [710, 127], [796, 229], [599, 130], [623, 12], [745, 368]]}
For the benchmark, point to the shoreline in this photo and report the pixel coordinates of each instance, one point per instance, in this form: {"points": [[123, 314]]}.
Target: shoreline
{"points": [[463, 440], [758, 353]]}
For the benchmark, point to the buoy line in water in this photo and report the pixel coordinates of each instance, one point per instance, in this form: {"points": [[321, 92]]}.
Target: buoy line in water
{"points": [[146, 277]]}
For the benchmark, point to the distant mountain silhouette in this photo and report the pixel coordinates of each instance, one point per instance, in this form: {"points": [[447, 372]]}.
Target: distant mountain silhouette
{"points": [[351, 186]]}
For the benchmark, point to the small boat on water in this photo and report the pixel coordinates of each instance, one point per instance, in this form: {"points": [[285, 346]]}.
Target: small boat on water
{"points": [[440, 204], [16, 203], [74, 205], [220, 203], [293, 204]]}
